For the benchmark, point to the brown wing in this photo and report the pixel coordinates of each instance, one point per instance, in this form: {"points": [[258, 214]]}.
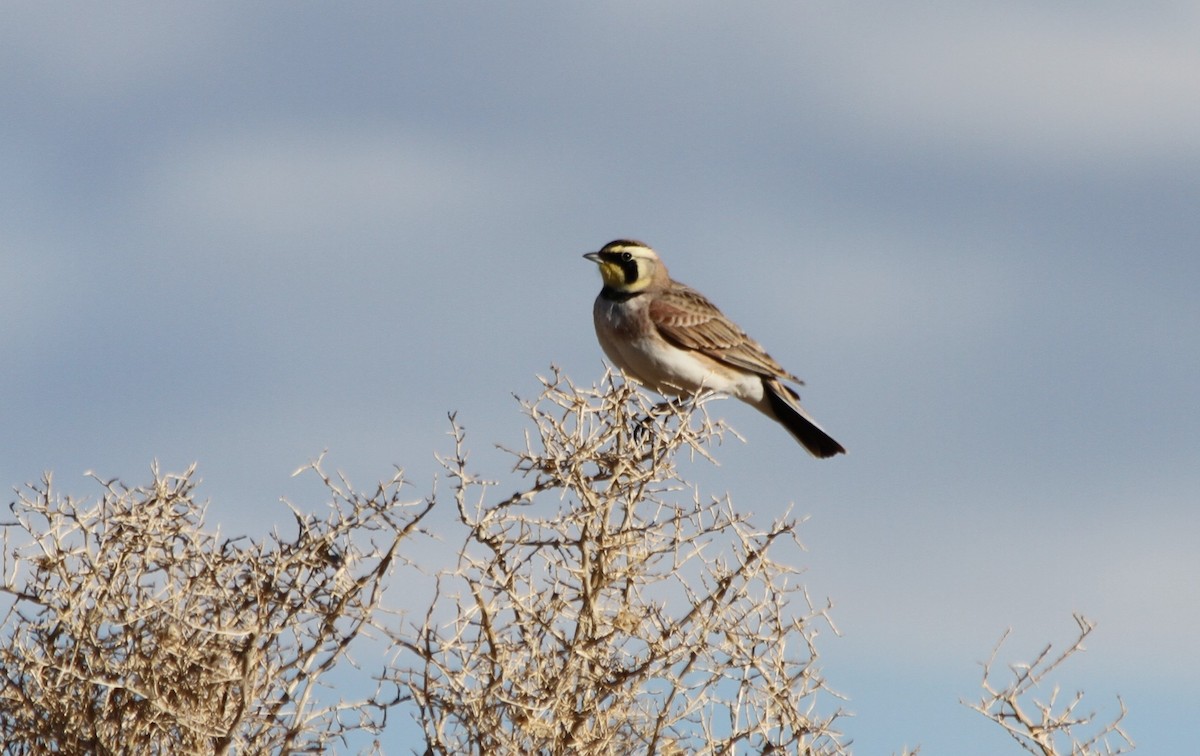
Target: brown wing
{"points": [[684, 317]]}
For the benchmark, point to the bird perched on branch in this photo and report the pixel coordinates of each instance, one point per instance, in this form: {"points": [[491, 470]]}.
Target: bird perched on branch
{"points": [[670, 338]]}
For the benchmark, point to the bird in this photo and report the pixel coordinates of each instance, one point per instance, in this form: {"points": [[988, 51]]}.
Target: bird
{"points": [[670, 338]]}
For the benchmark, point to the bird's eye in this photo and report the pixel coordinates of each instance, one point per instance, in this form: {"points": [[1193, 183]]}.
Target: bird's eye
{"points": [[626, 257]]}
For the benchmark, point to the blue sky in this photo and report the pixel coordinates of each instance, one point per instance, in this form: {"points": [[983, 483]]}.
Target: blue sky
{"points": [[240, 234]]}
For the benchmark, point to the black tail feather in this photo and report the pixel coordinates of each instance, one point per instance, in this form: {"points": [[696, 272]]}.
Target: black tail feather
{"points": [[785, 406]]}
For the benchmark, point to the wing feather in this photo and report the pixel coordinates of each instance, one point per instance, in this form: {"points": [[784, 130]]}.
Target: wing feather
{"points": [[686, 318]]}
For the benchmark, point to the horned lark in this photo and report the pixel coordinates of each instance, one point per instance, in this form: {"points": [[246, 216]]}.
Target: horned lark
{"points": [[669, 338]]}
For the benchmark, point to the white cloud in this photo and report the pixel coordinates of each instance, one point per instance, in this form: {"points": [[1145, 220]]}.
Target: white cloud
{"points": [[290, 182], [1036, 82], [881, 292]]}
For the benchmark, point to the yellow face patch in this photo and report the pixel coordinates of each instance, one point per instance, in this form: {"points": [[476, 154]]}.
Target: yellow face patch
{"points": [[613, 274]]}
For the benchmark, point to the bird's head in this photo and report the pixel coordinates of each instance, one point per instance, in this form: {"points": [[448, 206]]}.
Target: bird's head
{"points": [[627, 266]]}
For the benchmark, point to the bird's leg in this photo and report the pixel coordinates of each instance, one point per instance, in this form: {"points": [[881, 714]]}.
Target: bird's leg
{"points": [[642, 425]]}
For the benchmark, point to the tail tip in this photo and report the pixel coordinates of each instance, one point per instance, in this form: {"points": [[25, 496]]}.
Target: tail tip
{"points": [[810, 435]]}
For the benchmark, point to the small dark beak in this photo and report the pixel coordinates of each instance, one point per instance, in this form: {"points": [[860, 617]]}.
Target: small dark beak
{"points": [[593, 256]]}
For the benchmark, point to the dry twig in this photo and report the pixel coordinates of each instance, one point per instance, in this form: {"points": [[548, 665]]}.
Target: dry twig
{"points": [[1047, 726], [131, 629], [607, 608]]}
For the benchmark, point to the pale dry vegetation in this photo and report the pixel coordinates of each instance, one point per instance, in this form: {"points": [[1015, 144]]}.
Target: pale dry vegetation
{"points": [[604, 606], [1029, 707], [131, 629], [607, 607]]}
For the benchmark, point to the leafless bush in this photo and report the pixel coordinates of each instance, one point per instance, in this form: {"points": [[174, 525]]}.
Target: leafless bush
{"points": [[1046, 726], [130, 629], [605, 607]]}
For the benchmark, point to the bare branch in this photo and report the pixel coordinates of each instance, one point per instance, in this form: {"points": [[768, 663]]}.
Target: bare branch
{"points": [[607, 607], [1046, 725], [130, 628], [598, 604]]}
